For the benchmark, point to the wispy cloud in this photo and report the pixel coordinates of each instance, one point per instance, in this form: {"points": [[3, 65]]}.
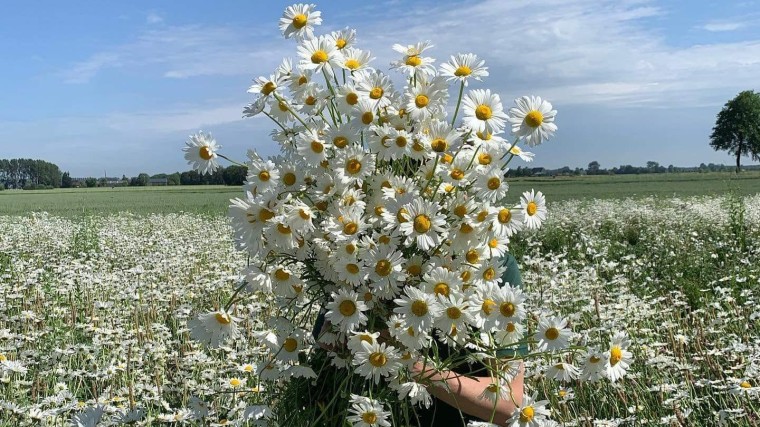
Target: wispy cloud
{"points": [[716, 27], [153, 18], [181, 52]]}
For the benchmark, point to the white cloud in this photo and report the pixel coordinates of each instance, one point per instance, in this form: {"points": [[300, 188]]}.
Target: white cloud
{"points": [[153, 18], [716, 27]]}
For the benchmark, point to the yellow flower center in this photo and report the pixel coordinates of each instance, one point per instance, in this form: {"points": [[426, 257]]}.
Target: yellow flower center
{"points": [[419, 307], [531, 208], [354, 166], [352, 64], [439, 145], [466, 276], [616, 355], [368, 117], [463, 71], [401, 141], [340, 141], [385, 240], [379, 210], [352, 268], [377, 359], [534, 119], [493, 183], [369, 417], [223, 318], [488, 306], [376, 92], [460, 211], [484, 159], [507, 309], [234, 382], [552, 334], [284, 229], [457, 174], [421, 101], [482, 215], [350, 248], [205, 153], [347, 308], [466, 228], [472, 256], [281, 275], [268, 88], [302, 80], [248, 368], [745, 384], [310, 100], [493, 243], [511, 327], [418, 147], [299, 21], [289, 178], [453, 313], [421, 224], [413, 61], [483, 112], [526, 414], [264, 176], [366, 338], [352, 98], [265, 215], [489, 274], [282, 106], [350, 228], [401, 215], [594, 359], [505, 215], [441, 289], [493, 387], [319, 57], [414, 269], [484, 136], [340, 43], [290, 345], [383, 268], [317, 146]]}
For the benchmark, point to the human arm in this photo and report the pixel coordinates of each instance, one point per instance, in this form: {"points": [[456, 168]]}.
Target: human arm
{"points": [[464, 392]]}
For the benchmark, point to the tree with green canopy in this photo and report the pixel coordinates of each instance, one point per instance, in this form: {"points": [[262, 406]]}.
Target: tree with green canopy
{"points": [[737, 128]]}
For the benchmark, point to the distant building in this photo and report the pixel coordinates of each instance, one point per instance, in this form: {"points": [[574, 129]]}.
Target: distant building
{"points": [[158, 181]]}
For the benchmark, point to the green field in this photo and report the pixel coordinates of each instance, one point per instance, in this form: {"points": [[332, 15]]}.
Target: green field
{"points": [[214, 199]]}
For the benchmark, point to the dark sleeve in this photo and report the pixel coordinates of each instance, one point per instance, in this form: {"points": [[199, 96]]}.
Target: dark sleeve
{"points": [[512, 274], [318, 324]]}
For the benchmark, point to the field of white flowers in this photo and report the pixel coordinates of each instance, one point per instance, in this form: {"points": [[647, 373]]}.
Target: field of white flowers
{"points": [[94, 315]]}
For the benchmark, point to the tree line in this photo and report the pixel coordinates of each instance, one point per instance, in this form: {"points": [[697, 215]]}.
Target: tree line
{"points": [[29, 174], [231, 175]]}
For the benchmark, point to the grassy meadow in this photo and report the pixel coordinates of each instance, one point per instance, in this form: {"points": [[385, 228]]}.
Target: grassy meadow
{"points": [[214, 199], [96, 302]]}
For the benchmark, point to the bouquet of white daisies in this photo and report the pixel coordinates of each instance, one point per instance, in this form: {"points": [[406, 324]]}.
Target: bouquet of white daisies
{"points": [[385, 220]]}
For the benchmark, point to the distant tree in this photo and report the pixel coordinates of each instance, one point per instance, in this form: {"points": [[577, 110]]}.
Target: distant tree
{"points": [[66, 180], [235, 175], [593, 168], [91, 182], [737, 128], [174, 179], [671, 168], [652, 166], [143, 179]]}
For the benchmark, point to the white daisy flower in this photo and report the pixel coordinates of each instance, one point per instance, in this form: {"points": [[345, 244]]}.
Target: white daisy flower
{"points": [[376, 360], [533, 119], [497, 390], [533, 205], [353, 165], [441, 137], [213, 328], [618, 358], [442, 282], [464, 66], [375, 86], [318, 55], [419, 309], [552, 334], [350, 270], [490, 184], [506, 221], [386, 267], [367, 412], [483, 111], [413, 62], [510, 333], [531, 413], [200, 152], [424, 225], [364, 113], [266, 85], [416, 392], [526, 156], [426, 100], [299, 20], [263, 175], [356, 338], [346, 98], [594, 363], [346, 310], [344, 39], [312, 146], [563, 372], [408, 336]]}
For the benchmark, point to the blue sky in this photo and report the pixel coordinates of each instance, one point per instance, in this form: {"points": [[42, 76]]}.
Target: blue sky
{"points": [[118, 86]]}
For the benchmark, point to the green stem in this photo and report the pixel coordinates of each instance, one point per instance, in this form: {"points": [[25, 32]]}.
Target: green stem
{"points": [[291, 110], [459, 101]]}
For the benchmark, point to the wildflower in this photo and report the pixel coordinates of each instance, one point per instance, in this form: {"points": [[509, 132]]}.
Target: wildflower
{"points": [[200, 152]]}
